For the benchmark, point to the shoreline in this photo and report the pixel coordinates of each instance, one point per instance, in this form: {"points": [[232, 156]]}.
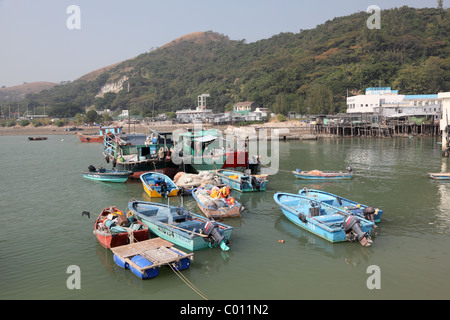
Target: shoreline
{"points": [[295, 132]]}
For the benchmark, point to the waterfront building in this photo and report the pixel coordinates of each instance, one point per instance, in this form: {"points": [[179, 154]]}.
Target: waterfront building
{"points": [[199, 114], [445, 122], [245, 108], [387, 103]]}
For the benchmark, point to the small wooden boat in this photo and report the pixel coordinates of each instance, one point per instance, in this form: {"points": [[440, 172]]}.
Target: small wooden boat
{"points": [[98, 138], [181, 227], [218, 207], [322, 175], [440, 176], [145, 258], [37, 138], [323, 220], [112, 228], [106, 175], [158, 185], [242, 182], [352, 207]]}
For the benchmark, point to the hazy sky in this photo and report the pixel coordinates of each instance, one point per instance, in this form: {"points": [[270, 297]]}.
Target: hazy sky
{"points": [[37, 45]]}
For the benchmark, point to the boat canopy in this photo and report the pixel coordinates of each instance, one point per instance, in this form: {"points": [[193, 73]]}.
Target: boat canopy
{"points": [[206, 138]]}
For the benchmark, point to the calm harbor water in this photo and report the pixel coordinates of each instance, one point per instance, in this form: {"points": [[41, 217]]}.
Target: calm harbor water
{"points": [[43, 232]]}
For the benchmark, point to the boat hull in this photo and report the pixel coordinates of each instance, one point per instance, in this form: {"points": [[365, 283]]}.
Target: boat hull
{"points": [[323, 175], [327, 226], [111, 176], [439, 176], [349, 206], [89, 138], [109, 239]]}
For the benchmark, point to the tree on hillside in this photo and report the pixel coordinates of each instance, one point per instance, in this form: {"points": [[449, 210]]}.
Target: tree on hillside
{"points": [[92, 116], [319, 100]]}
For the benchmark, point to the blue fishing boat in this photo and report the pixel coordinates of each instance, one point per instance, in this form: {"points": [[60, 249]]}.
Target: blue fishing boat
{"points": [[105, 175], [243, 182], [323, 220], [323, 175], [439, 176], [181, 227], [352, 207], [158, 185]]}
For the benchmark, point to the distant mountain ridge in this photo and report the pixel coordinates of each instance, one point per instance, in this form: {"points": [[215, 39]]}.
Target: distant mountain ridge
{"points": [[310, 71], [19, 92]]}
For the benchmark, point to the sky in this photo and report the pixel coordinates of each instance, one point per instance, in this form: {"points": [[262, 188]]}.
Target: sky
{"points": [[41, 40]]}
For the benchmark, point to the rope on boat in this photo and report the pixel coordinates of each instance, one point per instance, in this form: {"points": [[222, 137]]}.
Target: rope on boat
{"points": [[187, 282]]}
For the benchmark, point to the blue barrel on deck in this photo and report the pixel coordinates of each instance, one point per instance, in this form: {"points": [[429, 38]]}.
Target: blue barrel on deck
{"points": [[142, 263], [183, 263]]}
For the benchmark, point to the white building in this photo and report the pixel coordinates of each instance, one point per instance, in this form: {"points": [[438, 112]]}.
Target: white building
{"points": [[445, 122], [388, 103]]}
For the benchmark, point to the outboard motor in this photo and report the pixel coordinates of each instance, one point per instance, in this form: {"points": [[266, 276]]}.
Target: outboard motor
{"points": [[353, 231], [255, 183], [163, 186], [212, 231], [91, 168], [349, 169], [369, 213]]}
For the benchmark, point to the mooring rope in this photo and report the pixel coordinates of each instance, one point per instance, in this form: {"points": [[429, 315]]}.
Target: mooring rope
{"points": [[188, 283]]}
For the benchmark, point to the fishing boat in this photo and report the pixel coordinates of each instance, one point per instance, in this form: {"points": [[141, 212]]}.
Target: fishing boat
{"points": [[203, 150], [158, 185], [37, 138], [322, 175], [323, 220], [181, 227], [141, 152], [216, 207], [113, 229], [243, 182], [105, 175], [98, 138], [145, 258], [440, 176], [351, 207]]}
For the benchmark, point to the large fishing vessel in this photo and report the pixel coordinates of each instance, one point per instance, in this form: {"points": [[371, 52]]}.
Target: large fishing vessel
{"points": [[140, 153]]}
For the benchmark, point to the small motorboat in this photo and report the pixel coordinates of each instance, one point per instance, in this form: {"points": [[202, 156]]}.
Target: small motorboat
{"points": [[352, 207], [440, 176], [181, 227], [37, 138], [331, 223], [322, 175], [243, 182], [113, 228], [158, 185], [217, 203], [105, 175]]}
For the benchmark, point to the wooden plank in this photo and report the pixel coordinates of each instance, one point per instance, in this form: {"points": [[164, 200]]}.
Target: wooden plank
{"points": [[133, 249], [156, 250]]}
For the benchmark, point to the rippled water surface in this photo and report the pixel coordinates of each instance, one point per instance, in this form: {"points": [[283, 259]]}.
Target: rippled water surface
{"points": [[43, 232]]}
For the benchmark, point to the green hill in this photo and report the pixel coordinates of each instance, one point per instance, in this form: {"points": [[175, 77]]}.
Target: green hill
{"points": [[310, 71]]}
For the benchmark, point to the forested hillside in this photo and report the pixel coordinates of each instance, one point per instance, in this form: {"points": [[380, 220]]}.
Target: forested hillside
{"points": [[311, 71]]}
